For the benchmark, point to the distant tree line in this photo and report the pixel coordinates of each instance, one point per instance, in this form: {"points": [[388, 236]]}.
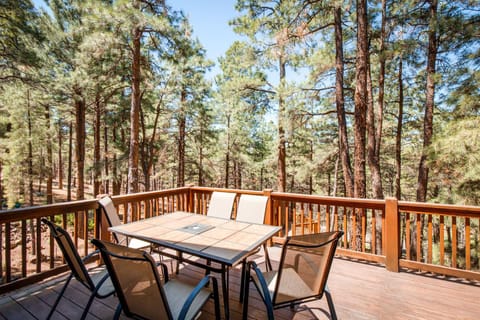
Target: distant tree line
{"points": [[348, 98]]}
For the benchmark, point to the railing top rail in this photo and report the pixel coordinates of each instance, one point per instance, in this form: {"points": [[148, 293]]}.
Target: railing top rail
{"points": [[45, 210], [337, 201], [437, 208], [240, 191], [125, 198]]}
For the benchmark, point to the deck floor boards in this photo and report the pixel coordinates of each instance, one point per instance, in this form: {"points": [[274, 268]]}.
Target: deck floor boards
{"points": [[360, 291]]}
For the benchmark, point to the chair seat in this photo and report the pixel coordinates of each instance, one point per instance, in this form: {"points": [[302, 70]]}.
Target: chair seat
{"points": [[293, 287], [107, 287], [177, 293]]}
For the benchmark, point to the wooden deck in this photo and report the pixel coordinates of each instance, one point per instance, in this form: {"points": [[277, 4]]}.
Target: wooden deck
{"points": [[360, 291]]}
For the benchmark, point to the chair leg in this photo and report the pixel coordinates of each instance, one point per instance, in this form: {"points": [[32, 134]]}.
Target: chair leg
{"points": [[118, 312], [242, 280], [216, 297], [89, 303], [331, 307], [245, 298], [60, 296], [268, 264]]}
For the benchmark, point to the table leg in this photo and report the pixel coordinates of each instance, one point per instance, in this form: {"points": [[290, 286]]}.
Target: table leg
{"points": [[225, 273]]}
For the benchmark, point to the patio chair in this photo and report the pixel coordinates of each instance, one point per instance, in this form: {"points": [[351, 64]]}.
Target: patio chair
{"points": [[98, 283], [141, 292], [221, 204], [301, 276], [252, 209], [114, 220]]}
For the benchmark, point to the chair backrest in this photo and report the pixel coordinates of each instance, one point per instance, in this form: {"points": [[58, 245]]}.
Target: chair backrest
{"points": [[221, 204], [136, 280], [251, 208], [305, 265], [112, 217], [70, 254]]}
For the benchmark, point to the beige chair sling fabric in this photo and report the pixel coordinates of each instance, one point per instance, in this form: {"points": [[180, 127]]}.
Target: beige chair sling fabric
{"points": [[114, 220], [221, 204], [141, 290], [302, 274], [251, 208], [96, 281]]}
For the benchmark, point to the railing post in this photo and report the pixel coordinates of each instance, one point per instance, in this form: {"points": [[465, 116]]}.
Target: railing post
{"points": [[190, 199], [269, 212], [392, 234]]}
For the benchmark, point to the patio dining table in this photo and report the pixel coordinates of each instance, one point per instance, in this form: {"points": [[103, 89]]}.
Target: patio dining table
{"points": [[223, 241]]}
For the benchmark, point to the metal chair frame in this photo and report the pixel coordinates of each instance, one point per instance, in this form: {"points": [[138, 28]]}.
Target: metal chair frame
{"points": [[145, 257], [78, 269], [269, 300]]}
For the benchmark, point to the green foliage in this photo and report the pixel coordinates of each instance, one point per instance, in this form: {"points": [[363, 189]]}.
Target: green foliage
{"points": [[276, 87]]}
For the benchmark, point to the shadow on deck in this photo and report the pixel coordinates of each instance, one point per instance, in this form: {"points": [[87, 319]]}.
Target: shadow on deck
{"points": [[360, 291]]}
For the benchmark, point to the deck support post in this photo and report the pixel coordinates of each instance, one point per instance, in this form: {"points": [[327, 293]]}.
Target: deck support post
{"points": [[269, 213], [392, 234]]}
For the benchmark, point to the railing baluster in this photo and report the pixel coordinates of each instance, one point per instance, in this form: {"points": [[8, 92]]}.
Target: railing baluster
{"points": [[38, 248], [454, 242], [442, 240], [467, 244], [407, 237], [419, 237], [51, 246], [1, 251], [23, 247], [429, 239], [364, 228], [8, 256], [85, 232]]}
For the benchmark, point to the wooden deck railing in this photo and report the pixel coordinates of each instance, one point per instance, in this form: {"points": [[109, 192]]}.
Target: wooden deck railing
{"points": [[435, 238]]}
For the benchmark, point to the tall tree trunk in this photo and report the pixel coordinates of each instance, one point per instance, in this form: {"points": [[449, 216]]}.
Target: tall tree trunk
{"points": [[70, 160], [282, 148], [30, 170], [49, 164], [106, 181], [310, 175], [96, 147], [398, 136], [340, 103], [227, 155], [60, 158], [181, 140], [429, 102], [361, 100], [80, 143], [1, 188], [381, 99], [372, 159], [30, 152], [133, 184], [116, 176], [200, 159], [360, 113]]}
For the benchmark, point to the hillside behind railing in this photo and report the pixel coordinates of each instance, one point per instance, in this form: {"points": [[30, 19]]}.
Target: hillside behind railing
{"points": [[443, 239]]}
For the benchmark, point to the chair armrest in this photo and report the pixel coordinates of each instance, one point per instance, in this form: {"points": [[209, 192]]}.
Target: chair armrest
{"points": [[261, 279], [195, 292], [88, 256]]}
